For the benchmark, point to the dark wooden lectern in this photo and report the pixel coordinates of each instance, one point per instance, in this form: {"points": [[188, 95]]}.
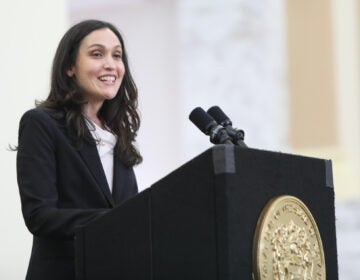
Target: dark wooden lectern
{"points": [[199, 221]]}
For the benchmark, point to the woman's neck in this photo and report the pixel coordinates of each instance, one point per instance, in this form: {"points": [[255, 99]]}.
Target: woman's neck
{"points": [[91, 111]]}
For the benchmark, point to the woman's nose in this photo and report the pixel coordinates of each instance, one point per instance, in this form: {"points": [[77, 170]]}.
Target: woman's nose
{"points": [[109, 62]]}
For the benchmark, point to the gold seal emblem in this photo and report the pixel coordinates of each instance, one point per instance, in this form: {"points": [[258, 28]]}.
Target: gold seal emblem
{"points": [[287, 243]]}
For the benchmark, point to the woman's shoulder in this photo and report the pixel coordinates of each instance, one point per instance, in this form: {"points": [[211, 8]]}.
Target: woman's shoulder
{"points": [[35, 113], [37, 122], [44, 114], [38, 115]]}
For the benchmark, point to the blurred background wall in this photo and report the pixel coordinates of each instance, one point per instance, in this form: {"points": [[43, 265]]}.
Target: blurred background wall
{"points": [[285, 71], [30, 31]]}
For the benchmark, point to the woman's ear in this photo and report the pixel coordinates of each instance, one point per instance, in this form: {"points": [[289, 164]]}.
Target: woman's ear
{"points": [[70, 72]]}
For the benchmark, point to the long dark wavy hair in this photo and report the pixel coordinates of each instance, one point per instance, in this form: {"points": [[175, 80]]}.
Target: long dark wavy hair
{"points": [[65, 100]]}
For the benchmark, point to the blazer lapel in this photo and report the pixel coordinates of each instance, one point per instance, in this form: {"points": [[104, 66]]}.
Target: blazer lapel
{"points": [[90, 156], [116, 192]]}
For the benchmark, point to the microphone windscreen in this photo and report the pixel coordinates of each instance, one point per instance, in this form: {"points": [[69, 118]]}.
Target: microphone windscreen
{"points": [[218, 114], [201, 119]]}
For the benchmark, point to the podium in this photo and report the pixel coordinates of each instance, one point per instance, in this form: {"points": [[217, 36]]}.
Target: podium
{"points": [[198, 222]]}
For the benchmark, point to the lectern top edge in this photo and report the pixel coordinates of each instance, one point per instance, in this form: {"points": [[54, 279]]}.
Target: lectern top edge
{"points": [[223, 157]]}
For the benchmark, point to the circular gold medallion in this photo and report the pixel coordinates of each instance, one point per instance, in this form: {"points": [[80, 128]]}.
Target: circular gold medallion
{"points": [[287, 243]]}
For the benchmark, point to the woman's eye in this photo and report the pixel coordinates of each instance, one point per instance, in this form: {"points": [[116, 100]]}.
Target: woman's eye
{"points": [[118, 56], [97, 54]]}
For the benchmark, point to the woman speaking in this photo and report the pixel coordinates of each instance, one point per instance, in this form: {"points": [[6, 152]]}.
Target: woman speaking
{"points": [[76, 148]]}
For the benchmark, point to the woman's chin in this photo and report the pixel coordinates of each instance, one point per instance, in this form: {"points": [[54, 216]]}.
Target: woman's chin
{"points": [[109, 96]]}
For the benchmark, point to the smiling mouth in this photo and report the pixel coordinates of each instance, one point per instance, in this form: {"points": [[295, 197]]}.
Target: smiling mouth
{"points": [[107, 78]]}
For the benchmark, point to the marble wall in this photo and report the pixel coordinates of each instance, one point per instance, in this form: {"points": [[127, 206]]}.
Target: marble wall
{"points": [[233, 55]]}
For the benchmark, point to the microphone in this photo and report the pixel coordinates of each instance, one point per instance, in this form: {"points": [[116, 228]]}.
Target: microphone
{"points": [[209, 126], [237, 135]]}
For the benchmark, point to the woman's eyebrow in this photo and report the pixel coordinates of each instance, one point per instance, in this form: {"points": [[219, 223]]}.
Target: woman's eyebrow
{"points": [[102, 46]]}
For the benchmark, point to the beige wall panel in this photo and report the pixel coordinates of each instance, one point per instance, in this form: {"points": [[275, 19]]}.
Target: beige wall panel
{"points": [[311, 77]]}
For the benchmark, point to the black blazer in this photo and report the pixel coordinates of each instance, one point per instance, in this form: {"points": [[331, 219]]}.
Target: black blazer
{"points": [[62, 187]]}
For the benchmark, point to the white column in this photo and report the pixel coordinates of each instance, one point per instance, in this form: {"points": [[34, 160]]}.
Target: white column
{"points": [[347, 67]]}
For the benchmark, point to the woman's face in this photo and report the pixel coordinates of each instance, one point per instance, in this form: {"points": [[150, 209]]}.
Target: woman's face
{"points": [[99, 68]]}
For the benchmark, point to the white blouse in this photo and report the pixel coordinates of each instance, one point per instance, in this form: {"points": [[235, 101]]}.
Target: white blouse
{"points": [[105, 141]]}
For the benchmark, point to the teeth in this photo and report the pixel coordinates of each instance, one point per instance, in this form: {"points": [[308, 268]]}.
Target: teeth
{"points": [[107, 78]]}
